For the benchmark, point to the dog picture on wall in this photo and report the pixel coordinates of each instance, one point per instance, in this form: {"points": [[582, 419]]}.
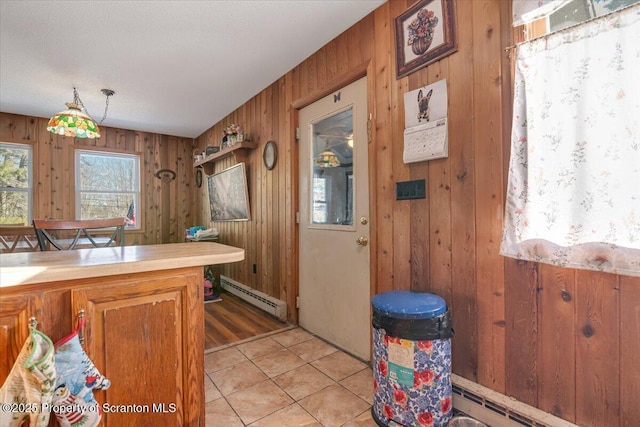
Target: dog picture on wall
{"points": [[425, 104]]}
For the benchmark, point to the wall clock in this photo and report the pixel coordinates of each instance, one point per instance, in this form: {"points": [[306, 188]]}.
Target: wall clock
{"points": [[199, 177], [270, 154]]}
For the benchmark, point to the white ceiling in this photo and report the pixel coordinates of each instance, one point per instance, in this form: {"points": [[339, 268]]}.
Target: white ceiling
{"points": [[177, 67]]}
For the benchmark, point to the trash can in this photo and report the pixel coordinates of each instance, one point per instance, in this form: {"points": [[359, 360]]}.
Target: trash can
{"points": [[411, 359]]}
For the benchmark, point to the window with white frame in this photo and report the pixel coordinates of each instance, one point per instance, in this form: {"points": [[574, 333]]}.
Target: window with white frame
{"points": [[576, 11], [16, 183], [321, 186], [107, 185], [547, 16]]}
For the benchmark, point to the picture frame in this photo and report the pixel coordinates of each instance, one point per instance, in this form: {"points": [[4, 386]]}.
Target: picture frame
{"points": [[199, 177], [425, 33], [270, 155], [229, 195]]}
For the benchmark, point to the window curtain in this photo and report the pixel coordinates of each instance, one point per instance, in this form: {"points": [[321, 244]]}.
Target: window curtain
{"points": [[573, 195], [525, 11]]}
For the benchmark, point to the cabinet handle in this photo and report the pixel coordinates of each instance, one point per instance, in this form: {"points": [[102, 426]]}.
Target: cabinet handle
{"points": [[81, 324]]}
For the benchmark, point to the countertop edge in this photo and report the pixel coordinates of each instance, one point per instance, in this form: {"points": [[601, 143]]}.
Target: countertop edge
{"points": [[33, 268]]}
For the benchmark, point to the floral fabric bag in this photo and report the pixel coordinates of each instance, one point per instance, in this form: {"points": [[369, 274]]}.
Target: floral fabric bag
{"points": [[28, 388], [73, 399]]}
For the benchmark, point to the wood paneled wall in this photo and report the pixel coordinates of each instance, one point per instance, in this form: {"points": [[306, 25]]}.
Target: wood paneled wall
{"points": [[166, 207], [562, 340], [268, 236], [565, 341]]}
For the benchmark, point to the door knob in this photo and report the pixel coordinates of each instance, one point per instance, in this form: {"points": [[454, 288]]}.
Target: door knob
{"points": [[362, 241]]}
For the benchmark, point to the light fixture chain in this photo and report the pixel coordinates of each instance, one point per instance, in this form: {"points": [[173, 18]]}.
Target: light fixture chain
{"points": [[77, 100], [106, 108]]}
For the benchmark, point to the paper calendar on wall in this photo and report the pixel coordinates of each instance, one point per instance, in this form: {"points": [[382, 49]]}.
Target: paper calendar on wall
{"points": [[426, 129]]}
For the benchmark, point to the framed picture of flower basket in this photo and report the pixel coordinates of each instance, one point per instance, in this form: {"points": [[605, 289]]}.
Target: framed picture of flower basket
{"points": [[425, 33]]}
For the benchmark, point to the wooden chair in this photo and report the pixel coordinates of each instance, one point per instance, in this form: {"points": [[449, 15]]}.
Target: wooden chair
{"points": [[17, 238], [64, 235]]}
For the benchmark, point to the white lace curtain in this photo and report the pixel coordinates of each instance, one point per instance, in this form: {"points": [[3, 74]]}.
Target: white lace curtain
{"points": [[573, 196]]}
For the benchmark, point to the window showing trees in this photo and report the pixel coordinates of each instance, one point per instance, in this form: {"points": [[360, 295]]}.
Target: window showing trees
{"points": [[577, 11], [320, 214], [16, 182], [107, 185]]}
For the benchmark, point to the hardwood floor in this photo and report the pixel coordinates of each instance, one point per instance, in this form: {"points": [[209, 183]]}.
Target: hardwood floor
{"points": [[233, 319]]}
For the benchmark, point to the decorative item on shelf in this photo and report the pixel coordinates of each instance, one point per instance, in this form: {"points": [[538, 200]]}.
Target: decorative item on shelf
{"points": [[211, 150], [75, 123], [233, 134], [326, 159]]}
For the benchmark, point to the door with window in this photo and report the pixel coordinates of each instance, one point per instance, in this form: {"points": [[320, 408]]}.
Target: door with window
{"points": [[334, 291]]}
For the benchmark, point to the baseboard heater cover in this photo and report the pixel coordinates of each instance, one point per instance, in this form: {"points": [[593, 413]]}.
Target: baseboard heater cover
{"points": [[263, 301], [496, 409]]}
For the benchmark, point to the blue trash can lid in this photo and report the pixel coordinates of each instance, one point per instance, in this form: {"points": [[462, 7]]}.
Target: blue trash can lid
{"points": [[408, 305]]}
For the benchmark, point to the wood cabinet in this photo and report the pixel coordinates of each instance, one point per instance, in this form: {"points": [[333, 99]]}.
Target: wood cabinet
{"points": [[144, 332], [238, 150], [140, 331], [144, 322], [15, 311]]}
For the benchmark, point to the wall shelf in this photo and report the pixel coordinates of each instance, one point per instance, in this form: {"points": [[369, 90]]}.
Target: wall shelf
{"points": [[238, 150]]}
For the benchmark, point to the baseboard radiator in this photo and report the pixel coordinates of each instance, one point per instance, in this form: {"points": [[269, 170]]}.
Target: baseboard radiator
{"points": [[496, 409], [263, 301]]}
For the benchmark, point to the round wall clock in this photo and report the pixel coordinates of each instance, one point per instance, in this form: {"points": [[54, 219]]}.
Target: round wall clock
{"points": [[199, 177], [270, 154]]}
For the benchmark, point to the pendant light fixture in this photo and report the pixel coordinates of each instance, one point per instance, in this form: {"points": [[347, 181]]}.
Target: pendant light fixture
{"points": [[75, 123], [327, 159]]}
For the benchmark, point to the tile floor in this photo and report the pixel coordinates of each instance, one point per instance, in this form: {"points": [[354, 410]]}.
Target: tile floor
{"points": [[287, 379]]}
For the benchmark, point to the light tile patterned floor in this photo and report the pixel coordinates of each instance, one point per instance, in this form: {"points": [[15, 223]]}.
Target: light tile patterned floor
{"points": [[287, 379]]}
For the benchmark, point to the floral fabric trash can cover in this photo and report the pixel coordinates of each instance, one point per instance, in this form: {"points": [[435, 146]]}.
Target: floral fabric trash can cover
{"points": [[412, 360]]}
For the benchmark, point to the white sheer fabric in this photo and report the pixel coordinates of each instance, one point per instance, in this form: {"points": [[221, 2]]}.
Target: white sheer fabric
{"points": [[573, 196], [525, 11]]}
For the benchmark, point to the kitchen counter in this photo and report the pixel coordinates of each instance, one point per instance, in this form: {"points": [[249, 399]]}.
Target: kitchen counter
{"points": [[144, 320], [52, 266]]}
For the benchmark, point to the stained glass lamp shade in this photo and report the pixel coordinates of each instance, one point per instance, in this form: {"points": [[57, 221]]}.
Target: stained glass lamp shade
{"points": [[74, 123], [327, 159]]}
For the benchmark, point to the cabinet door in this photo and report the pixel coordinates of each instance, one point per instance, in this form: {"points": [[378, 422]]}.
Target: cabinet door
{"points": [[15, 311], [145, 333]]}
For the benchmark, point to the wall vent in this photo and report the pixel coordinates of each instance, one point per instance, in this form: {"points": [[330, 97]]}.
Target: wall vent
{"points": [[263, 301], [498, 410]]}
